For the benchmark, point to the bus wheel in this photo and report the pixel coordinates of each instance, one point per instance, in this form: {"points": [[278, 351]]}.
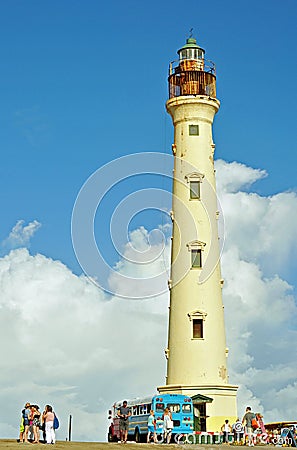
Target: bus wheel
{"points": [[137, 435]]}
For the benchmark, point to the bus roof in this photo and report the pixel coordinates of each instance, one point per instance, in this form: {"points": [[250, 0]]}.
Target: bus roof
{"points": [[146, 400], [135, 401]]}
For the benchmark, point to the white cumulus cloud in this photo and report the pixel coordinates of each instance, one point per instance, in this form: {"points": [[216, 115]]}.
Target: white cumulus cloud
{"points": [[68, 344], [260, 305], [21, 234]]}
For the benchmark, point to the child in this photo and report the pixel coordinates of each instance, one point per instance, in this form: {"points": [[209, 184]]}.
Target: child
{"points": [[151, 427]]}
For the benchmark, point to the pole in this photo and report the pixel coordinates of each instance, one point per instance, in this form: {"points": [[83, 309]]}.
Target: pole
{"points": [[69, 428]]}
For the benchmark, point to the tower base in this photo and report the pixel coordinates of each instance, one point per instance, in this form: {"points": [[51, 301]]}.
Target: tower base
{"points": [[220, 406]]}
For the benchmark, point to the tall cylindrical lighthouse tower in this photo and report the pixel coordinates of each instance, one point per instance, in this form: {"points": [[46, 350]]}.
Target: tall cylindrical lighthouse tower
{"points": [[196, 353]]}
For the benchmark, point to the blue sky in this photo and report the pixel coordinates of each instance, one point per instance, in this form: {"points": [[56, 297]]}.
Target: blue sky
{"points": [[84, 83]]}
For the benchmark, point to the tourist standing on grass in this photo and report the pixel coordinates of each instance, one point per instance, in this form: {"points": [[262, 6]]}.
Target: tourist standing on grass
{"points": [[151, 427], [26, 416], [124, 413], [260, 421], [22, 428], [247, 420], [36, 415], [238, 431], [226, 429], [48, 417], [167, 425]]}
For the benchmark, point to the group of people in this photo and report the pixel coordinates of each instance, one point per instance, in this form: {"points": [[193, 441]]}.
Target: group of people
{"points": [[33, 421], [165, 422], [164, 426], [246, 427], [154, 425]]}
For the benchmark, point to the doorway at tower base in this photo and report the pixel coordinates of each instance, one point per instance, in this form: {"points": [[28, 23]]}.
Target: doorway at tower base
{"points": [[218, 403]]}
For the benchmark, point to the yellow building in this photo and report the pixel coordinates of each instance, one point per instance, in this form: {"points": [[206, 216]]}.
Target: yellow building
{"points": [[196, 353]]}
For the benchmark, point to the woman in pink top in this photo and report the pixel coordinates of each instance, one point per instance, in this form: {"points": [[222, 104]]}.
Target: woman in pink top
{"points": [[48, 417]]}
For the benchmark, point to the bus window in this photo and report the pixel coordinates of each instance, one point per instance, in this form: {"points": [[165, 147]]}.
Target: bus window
{"points": [[160, 407], [134, 411], [186, 408], [174, 407], [140, 409]]}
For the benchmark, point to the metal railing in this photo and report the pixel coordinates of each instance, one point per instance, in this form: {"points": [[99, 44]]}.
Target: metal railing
{"points": [[194, 82]]}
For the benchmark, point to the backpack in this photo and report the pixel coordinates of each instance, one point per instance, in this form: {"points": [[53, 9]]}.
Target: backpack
{"points": [[56, 423], [255, 424]]}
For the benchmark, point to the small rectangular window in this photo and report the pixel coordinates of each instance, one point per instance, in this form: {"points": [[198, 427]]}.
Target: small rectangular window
{"points": [[197, 328], [186, 408], [194, 189], [160, 407], [196, 258], [173, 407], [194, 130]]}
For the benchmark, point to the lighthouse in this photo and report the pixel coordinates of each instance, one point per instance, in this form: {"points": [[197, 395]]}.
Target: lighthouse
{"points": [[196, 353]]}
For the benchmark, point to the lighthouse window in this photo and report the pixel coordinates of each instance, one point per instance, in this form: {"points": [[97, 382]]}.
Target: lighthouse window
{"points": [[197, 328], [194, 130], [184, 54], [196, 258], [194, 189]]}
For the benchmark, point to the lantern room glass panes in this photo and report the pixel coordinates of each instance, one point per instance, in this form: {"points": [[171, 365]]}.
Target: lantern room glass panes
{"points": [[192, 53]]}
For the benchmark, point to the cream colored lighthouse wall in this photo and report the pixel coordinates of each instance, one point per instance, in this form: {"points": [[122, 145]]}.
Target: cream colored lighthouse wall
{"points": [[195, 361], [196, 366], [222, 407]]}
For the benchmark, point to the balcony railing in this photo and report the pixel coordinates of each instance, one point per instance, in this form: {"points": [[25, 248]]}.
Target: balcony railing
{"points": [[192, 77], [192, 83]]}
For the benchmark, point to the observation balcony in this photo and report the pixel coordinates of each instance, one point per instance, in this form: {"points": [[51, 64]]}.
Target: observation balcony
{"points": [[192, 77]]}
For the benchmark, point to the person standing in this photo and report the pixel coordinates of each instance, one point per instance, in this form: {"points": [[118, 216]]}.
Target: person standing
{"points": [[226, 429], [238, 431], [167, 425], [260, 421], [26, 416], [247, 420], [36, 423], [151, 427], [48, 417], [124, 413]]}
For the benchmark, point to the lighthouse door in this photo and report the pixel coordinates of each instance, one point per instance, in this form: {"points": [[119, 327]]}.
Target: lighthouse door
{"points": [[200, 417]]}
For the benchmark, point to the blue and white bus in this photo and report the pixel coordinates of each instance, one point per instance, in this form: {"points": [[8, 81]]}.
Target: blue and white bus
{"points": [[180, 406]]}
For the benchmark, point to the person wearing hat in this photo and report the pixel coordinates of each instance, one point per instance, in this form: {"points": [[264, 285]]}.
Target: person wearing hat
{"points": [[26, 415]]}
